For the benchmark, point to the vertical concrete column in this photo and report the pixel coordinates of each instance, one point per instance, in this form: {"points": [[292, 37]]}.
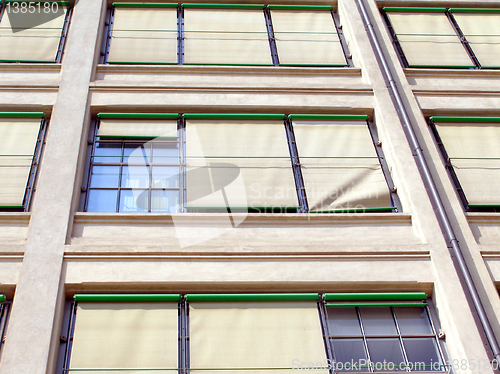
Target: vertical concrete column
{"points": [[30, 338]]}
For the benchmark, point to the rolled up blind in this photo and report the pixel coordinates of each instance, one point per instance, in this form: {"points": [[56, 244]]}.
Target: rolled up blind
{"points": [[306, 38], [267, 336], [482, 31], [137, 128], [144, 35], [139, 335], [248, 161], [474, 152], [23, 38], [226, 36], [340, 167], [18, 138], [429, 40]]}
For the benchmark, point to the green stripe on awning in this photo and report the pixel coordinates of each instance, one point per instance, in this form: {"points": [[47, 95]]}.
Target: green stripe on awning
{"points": [[352, 305], [254, 297], [328, 117], [2, 298], [146, 5], [300, 7], [228, 6], [474, 10], [22, 115], [234, 116], [126, 297], [413, 9], [34, 1], [464, 119], [368, 296], [139, 115]]}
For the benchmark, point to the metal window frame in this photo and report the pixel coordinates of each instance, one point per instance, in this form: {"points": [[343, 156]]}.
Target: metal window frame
{"points": [[89, 163], [4, 321]]}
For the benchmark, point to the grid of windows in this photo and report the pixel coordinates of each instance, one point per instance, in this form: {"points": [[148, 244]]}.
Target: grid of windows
{"points": [[470, 148], [21, 139], [248, 332], [446, 38], [33, 31], [224, 34], [235, 163]]}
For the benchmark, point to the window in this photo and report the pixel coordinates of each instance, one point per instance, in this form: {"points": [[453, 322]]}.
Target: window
{"points": [[21, 138], [236, 163], [224, 34], [4, 317], [471, 150], [252, 332], [33, 31], [447, 38]]}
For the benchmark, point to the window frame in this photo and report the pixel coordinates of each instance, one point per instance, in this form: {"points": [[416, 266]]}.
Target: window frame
{"points": [[64, 29], [302, 202], [322, 301], [37, 154], [107, 36]]}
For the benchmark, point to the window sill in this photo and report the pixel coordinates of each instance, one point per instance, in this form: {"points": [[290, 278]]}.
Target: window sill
{"points": [[250, 219], [8, 217]]}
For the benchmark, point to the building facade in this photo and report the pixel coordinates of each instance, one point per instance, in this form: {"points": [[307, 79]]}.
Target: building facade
{"points": [[188, 171]]}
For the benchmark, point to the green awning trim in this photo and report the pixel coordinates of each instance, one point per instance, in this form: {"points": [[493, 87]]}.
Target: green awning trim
{"points": [[22, 115], [300, 7], [352, 305], [474, 10], [355, 210], [229, 6], [328, 117], [210, 64], [135, 137], [34, 1], [139, 115], [254, 297], [243, 207], [2, 298], [483, 205], [442, 66], [413, 9], [368, 296], [317, 65], [126, 297], [11, 207], [140, 63], [234, 116], [31, 61], [464, 119], [146, 5]]}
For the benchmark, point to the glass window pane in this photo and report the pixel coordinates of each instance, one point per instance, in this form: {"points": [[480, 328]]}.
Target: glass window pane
{"points": [[102, 201], [422, 354], [350, 355], [134, 201], [386, 354], [166, 153], [413, 321], [104, 176], [135, 177], [165, 201], [378, 321], [343, 321], [138, 153], [165, 177], [107, 152]]}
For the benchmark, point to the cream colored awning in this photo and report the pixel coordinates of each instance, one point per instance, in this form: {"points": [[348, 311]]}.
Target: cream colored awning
{"points": [[482, 31], [474, 151], [18, 138], [139, 335], [261, 335], [144, 35], [30, 43], [226, 36], [340, 166], [428, 39], [137, 128], [248, 160], [306, 38]]}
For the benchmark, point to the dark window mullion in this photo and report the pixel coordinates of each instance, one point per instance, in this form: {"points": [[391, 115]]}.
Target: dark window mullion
{"points": [[395, 41], [400, 338], [64, 33], [340, 35], [365, 343], [109, 33], [91, 163], [187, 340], [463, 39], [180, 35], [297, 171], [35, 161], [441, 352], [120, 175], [106, 37], [71, 332], [272, 39], [182, 165], [326, 333], [385, 168]]}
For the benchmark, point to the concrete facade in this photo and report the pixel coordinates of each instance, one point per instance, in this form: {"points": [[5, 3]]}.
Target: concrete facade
{"points": [[54, 251]]}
